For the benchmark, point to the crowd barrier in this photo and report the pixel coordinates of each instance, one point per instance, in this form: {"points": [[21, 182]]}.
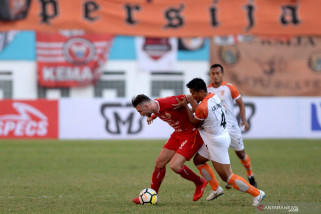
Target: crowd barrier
{"points": [[269, 118]]}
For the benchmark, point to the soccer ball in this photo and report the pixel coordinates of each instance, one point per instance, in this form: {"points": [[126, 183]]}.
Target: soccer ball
{"points": [[148, 196]]}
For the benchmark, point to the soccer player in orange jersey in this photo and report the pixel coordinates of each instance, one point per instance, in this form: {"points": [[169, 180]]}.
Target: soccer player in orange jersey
{"points": [[211, 118], [182, 145], [227, 94]]}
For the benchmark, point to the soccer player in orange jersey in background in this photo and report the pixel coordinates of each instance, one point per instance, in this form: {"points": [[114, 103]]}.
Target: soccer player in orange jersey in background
{"points": [[182, 145], [210, 117]]}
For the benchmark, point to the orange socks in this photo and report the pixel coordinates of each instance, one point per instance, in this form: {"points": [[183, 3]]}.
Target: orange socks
{"points": [[247, 165], [241, 184], [207, 172]]}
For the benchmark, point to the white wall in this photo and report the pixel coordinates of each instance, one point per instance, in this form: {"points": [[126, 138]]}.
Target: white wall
{"points": [[24, 78]]}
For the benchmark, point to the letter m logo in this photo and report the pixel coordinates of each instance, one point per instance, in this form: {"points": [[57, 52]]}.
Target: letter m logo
{"points": [[120, 119]]}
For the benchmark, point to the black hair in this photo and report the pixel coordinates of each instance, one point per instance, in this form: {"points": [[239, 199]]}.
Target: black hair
{"points": [[140, 98], [217, 65], [197, 84]]}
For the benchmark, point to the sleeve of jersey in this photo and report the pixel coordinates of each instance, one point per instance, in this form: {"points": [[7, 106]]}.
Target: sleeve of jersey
{"points": [[234, 92], [167, 102], [201, 112]]}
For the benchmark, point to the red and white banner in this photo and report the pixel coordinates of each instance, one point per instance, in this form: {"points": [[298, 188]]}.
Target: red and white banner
{"points": [[156, 54], [29, 119], [71, 58]]}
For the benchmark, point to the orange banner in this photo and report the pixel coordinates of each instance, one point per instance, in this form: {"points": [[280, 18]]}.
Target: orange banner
{"points": [[164, 18], [271, 66]]}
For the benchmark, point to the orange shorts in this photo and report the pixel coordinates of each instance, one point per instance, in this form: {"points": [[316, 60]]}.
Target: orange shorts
{"points": [[185, 144]]}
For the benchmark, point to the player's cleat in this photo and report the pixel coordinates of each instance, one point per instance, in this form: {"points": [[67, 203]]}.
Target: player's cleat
{"points": [[136, 200], [228, 186], [252, 181], [199, 190], [259, 198], [215, 194]]}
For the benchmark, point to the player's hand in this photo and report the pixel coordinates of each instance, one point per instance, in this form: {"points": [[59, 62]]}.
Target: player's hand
{"points": [[180, 103], [245, 126], [189, 97], [149, 120]]}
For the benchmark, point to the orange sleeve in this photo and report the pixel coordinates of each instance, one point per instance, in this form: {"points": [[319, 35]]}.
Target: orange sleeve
{"points": [[202, 111], [234, 92]]}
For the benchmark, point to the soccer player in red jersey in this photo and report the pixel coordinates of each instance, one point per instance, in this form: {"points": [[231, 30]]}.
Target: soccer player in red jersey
{"points": [[183, 143]]}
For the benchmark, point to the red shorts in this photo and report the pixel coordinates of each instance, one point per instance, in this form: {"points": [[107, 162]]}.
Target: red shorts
{"points": [[185, 144]]}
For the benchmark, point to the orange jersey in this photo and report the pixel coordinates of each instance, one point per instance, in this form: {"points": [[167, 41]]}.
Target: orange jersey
{"points": [[178, 119], [227, 94]]}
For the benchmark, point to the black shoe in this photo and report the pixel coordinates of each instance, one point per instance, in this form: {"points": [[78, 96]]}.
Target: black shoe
{"points": [[228, 186], [253, 182]]}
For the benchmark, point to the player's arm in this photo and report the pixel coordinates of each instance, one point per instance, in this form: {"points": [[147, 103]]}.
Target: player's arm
{"points": [[150, 119], [192, 102], [183, 103], [240, 103]]}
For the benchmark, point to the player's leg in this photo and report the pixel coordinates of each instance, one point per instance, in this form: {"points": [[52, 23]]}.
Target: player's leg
{"points": [[160, 167], [162, 160], [219, 155], [177, 165], [246, 162], [200, 159], [189, 145], [238, 146], [237, 182], [227, 186]]}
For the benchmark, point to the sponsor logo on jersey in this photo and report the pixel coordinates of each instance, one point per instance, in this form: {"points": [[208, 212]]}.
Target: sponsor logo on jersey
{"points": [[182, 144], [168, 115], [315, 117]]}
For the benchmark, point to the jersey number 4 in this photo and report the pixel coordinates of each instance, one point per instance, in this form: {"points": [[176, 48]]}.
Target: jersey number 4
{"points": [[223, 121]]}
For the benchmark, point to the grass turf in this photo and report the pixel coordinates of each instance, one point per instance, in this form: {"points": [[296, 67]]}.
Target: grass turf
{"points": [[47, 176]]}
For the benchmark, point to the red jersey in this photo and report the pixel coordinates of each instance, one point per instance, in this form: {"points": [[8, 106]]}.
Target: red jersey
{"points": [[178, 119]]}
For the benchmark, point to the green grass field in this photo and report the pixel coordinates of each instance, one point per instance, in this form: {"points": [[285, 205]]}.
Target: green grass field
{"points": [[50, 176]]}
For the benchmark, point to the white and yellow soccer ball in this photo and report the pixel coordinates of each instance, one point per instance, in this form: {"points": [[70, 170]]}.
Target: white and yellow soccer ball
{"points": [[148, 196]]}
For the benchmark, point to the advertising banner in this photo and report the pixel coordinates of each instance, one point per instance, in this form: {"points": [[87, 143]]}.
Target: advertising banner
{"points": [[265, 66], [101, 119], [69, 59], [282, 117], [117, 119], [165, 18], [29, 119]]}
